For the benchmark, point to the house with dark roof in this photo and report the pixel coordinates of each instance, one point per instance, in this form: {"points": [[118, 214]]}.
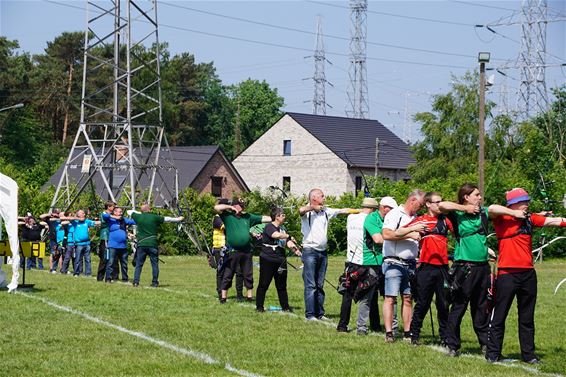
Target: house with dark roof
{"points": [[304, 151], [203, 168]]}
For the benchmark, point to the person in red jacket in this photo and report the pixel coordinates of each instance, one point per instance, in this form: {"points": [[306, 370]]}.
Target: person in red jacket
{"points": [[432, 271], [516, 274]]}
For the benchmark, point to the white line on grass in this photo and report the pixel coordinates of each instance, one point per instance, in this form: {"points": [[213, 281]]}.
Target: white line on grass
{"points": [[184, 351]]}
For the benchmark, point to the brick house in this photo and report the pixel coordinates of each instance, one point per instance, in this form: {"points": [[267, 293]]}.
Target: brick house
{"points": [[303, 151], [203, 168]]}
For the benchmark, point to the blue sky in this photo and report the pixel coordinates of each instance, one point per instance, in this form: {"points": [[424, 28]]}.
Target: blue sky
{"points": [[253, 39]]}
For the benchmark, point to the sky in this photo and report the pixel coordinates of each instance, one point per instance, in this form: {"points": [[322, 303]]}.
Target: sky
{"points": [[414, 48]]}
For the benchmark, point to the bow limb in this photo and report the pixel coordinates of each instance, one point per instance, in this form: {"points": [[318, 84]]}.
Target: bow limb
{"points": [[559, 284]]}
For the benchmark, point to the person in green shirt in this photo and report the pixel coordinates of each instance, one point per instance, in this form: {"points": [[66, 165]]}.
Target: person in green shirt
{"points": [[237, 224], [147, 225], [471, 266]]}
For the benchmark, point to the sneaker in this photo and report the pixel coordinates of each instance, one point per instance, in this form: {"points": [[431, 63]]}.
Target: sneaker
{"points": [[323, 318], [75, 275], [154, 285], [240, 298], [389, 338], [415, 342], [453, 353], [222, 300], [533, 361], [492, 360], [135, 285], [314, 319], [361, 332], [342, 329], [260, 310]]}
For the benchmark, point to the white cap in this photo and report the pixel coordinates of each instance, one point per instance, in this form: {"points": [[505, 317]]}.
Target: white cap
{"points": [[388, 201]]}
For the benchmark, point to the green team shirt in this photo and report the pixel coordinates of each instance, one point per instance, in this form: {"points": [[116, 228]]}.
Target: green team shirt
{"points": [[147, 225], [238, 229], [472, 246], [373, 255], [103, 228]]}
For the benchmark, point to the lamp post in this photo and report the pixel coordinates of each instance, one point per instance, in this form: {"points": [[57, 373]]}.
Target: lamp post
{"points": [[483, 57], [16, 106]]}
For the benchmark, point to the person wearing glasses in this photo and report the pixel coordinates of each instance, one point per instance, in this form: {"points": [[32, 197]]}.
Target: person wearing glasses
{"points": [[399, 261], [273, 261], [432, 271], [470, 270]]}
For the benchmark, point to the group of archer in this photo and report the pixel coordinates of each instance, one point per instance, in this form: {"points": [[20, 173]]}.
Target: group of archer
{"points": [[69, 241], [393, 251]]}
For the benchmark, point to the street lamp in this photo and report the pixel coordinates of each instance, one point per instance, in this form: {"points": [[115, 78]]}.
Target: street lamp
{"points": [[16, 106], [483, 57]]}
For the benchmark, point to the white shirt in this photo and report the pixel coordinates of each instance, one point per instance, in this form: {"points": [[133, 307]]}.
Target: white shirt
{"points": [[314, 226], [355, 229], [406, 249]]}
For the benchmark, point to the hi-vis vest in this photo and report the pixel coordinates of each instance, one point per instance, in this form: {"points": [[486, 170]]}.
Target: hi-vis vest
{"points": [[218, 237]]}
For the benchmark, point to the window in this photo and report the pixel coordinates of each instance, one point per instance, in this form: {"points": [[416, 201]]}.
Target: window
{"points": [[286, 184], [286, 147], [358, 185], [216, 189]]}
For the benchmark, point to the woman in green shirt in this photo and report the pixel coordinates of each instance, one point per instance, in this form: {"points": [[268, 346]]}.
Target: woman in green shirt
{"points": [[472, 272]]}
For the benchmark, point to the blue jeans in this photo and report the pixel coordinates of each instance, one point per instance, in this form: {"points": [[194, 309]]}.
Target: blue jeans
{"points": [[69, 257], [122, 256], [32, 262], [80, 252], [314, 271], [397, 278], [141, 254]]}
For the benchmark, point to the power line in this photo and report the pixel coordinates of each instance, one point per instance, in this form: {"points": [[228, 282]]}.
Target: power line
{"points": [[399, 15]]}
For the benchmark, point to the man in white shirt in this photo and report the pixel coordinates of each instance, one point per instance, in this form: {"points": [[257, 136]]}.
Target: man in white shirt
{"points": [[399, 261], [314, 226]]}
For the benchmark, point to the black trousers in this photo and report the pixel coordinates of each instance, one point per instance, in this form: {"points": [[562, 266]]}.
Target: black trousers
{"points": [[101, 272], [473, 292], [524, 286], [220, 274], [270, 270], [346, 307], [243, 260], [430, 281]]}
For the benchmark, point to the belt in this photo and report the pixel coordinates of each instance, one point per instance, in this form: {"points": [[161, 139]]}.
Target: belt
{"points": [[398, 260]]}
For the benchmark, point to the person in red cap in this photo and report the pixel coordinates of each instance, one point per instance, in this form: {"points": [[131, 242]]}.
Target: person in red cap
{"points": [[516, 275]]}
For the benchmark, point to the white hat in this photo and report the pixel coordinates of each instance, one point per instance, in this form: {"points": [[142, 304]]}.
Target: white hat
{"points": [[369, 203], [388, 201]]}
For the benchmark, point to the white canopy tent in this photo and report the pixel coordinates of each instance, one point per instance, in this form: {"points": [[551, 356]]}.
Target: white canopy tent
{"points": [[9, 214]]}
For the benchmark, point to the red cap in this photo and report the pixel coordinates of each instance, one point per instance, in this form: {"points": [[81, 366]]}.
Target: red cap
{"points": [[517, 195]]}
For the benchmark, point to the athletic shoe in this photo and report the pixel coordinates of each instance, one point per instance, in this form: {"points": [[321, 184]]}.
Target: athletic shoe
{"points": [[492, 360], [342, 329], [135, 285], [240, 298], [361, 332], [323, 318], [222, 300], [288, 310], [415, 342], [314, 319], [534, 361], [154, 285], [452, 353], [53, 271]]}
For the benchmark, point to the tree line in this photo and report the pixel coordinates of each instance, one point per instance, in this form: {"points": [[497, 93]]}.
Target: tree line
{"points": [[199, 109]]}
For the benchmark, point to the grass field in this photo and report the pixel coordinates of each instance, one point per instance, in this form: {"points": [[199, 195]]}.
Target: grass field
{"points": [[80, 327]]}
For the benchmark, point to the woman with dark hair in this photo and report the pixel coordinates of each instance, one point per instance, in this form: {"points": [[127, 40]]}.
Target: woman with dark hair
{"points": [[31, 232], [471, 272], [272, 260]]}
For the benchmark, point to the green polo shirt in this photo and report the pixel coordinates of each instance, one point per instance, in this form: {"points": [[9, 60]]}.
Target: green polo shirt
{"points": [[373, 255], [472, 246], [238, 229], [147, 225]]}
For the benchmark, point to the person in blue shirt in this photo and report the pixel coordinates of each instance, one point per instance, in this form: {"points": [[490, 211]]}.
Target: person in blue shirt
{"points": [[117, 242], [81, 239]]}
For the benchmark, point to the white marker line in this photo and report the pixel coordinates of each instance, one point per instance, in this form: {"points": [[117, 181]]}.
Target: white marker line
{"points": [[184, 351]]}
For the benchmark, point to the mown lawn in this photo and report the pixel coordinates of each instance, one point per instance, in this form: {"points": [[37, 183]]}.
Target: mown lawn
{"points": [[80, 327]]}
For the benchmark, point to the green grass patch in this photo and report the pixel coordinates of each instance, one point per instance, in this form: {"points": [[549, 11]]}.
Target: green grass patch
{"points": [[184, 313]]}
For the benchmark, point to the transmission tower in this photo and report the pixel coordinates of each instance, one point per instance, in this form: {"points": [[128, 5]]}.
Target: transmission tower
{"points": [[120, 146], [319, 98], [358, 88], [533, 96]]}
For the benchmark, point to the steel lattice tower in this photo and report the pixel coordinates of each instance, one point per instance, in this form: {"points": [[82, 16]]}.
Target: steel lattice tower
{"points": [[121, 130], [358, 88], [533, 96], [319, 98]]}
